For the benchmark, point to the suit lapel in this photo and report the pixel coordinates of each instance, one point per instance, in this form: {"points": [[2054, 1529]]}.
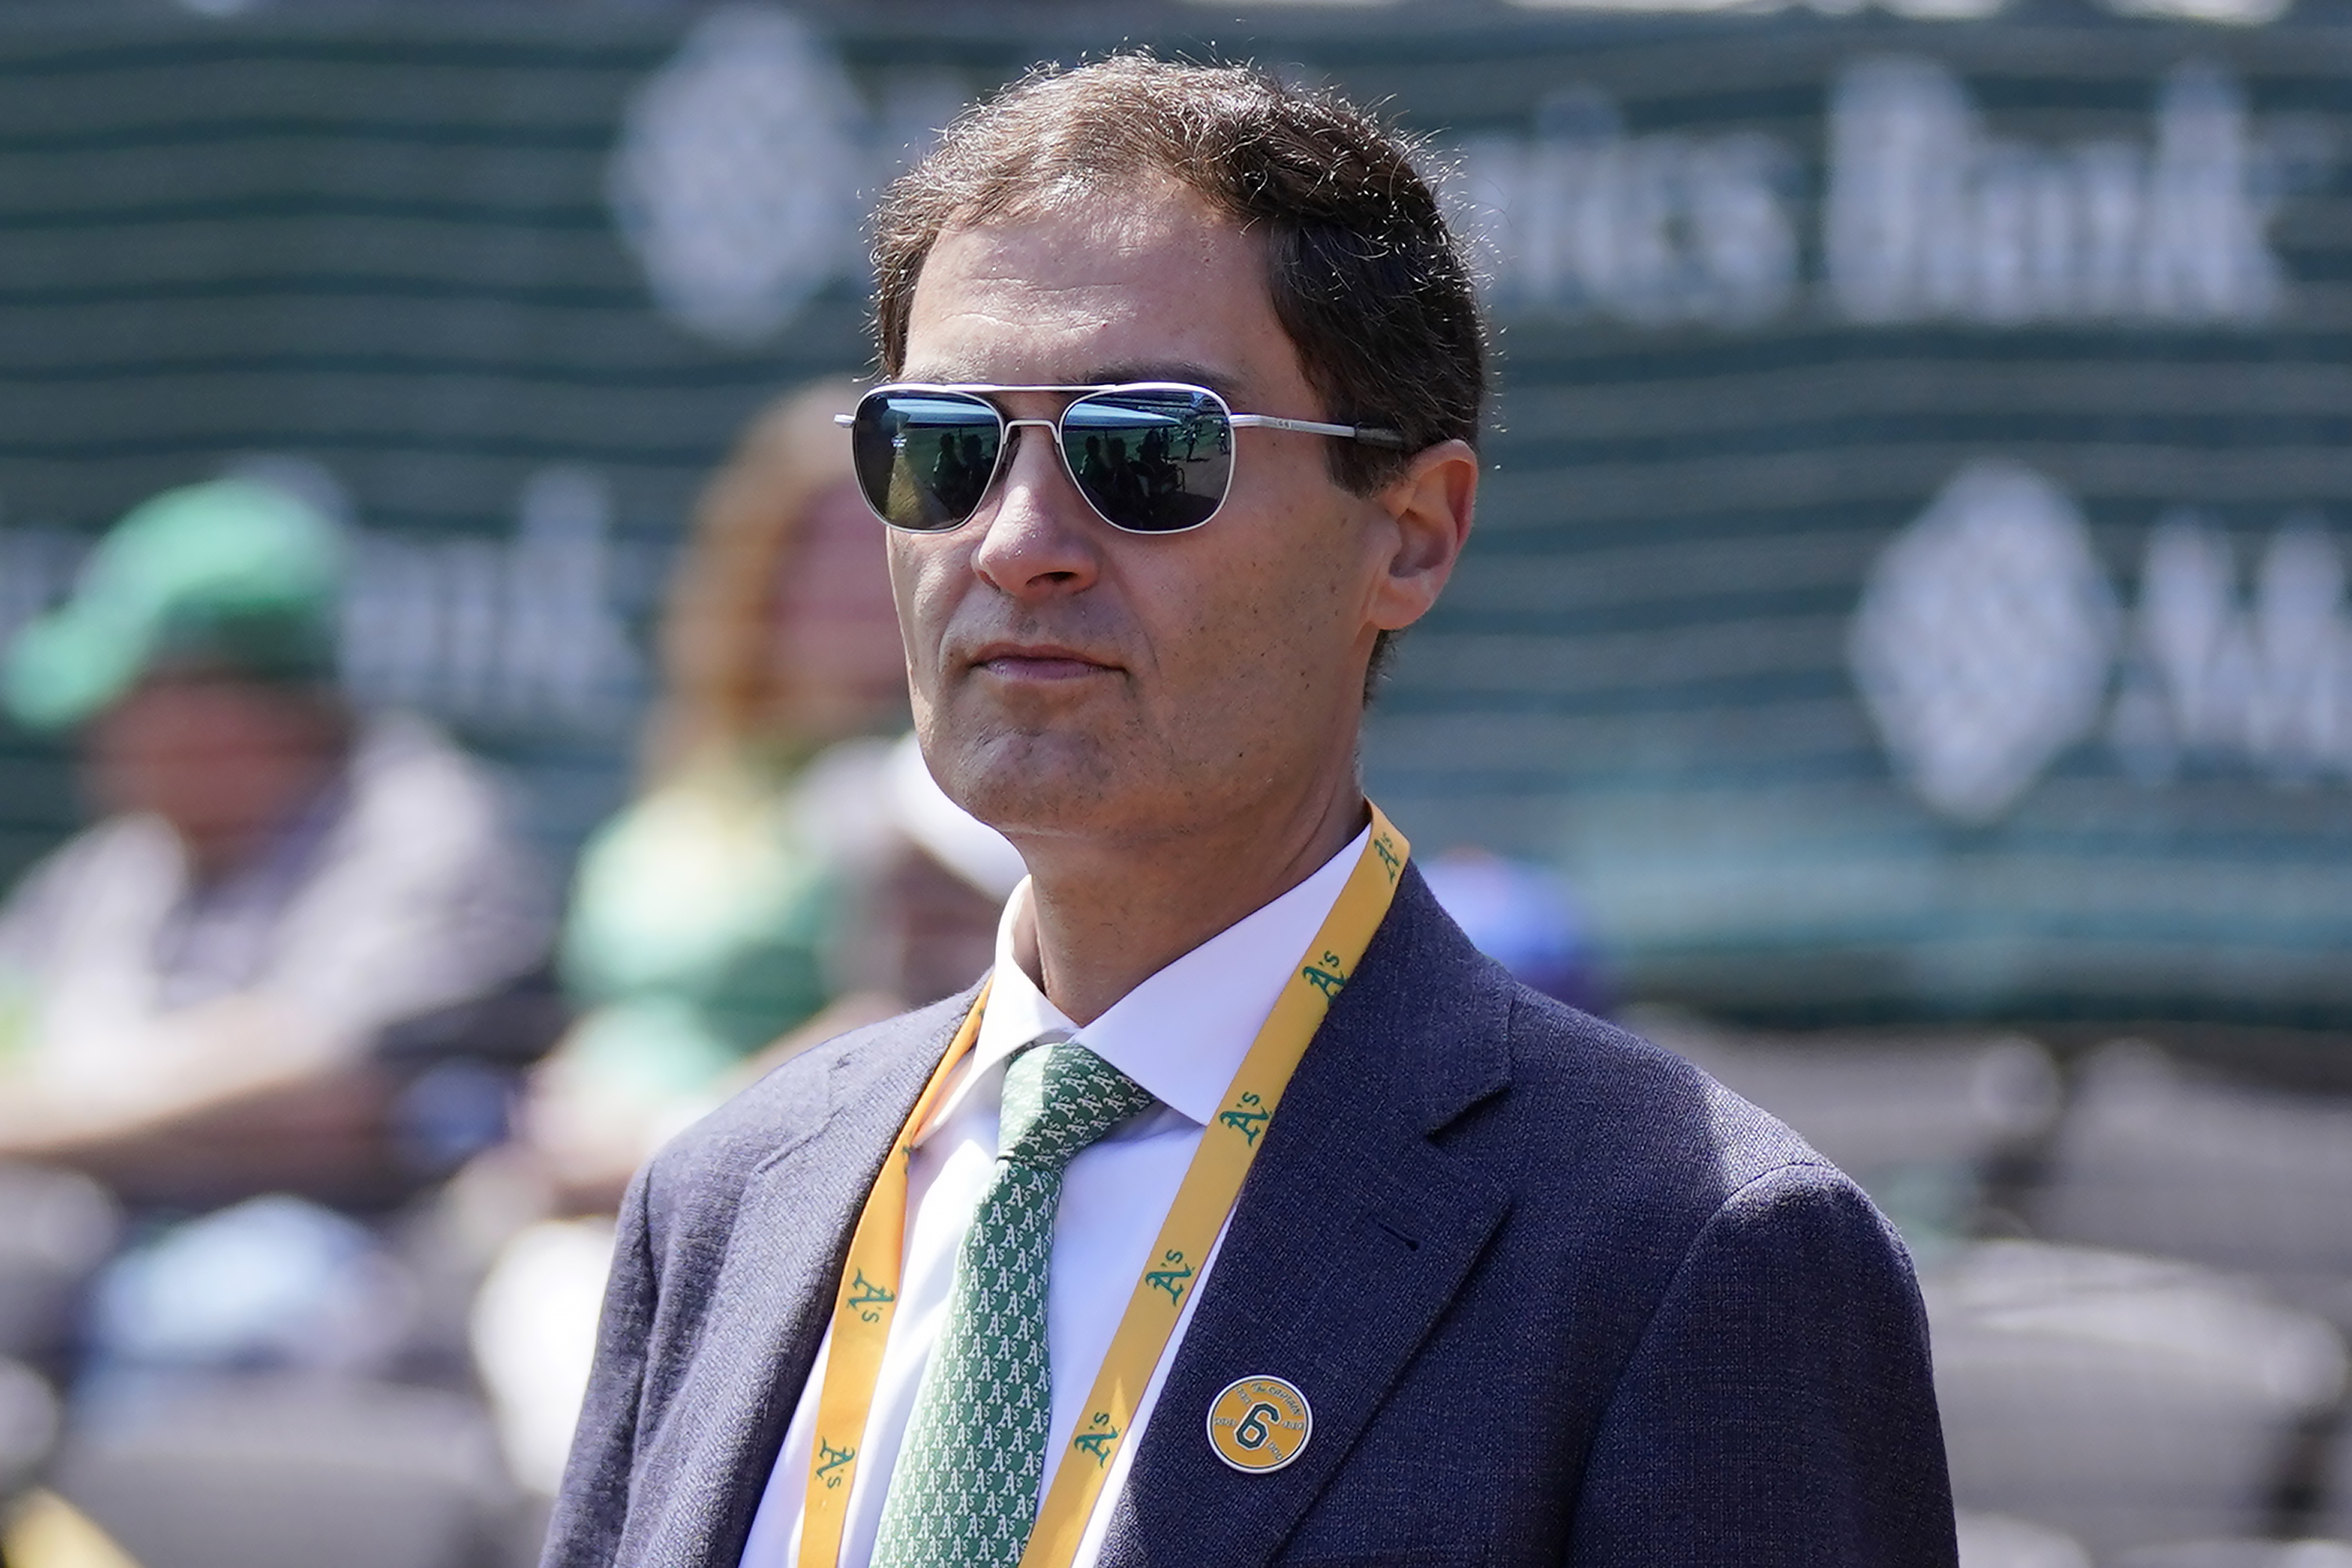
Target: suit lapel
{"points": [[1352, 1235], [746, 1363]]}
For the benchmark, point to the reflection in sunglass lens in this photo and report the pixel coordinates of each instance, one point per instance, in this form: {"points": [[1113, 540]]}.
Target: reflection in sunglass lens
{"points": [[924, 458], [1152, 459]]}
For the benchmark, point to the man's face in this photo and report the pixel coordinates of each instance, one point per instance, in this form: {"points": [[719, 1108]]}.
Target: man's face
{"points": [[224, 760], [1067, 678]]}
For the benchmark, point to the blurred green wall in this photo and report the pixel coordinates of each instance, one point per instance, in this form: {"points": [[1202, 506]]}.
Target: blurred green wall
{"points": [[1908, 584]]}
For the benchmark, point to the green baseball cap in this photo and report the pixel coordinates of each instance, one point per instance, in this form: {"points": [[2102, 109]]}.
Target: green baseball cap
{"points": [[232, 574]]}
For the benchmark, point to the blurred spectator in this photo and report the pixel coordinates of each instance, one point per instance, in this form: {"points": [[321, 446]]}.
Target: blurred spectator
{"points": [[924, 884], [933, 879], [757, 895], [789, 873], [194, 992]]}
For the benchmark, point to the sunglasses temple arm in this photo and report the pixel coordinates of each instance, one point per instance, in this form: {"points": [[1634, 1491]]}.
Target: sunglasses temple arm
{"points": [[1316, 427], [845, 420]]}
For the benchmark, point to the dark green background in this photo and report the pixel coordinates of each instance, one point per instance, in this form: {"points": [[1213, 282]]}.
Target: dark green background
{"points": [[378, 238]]}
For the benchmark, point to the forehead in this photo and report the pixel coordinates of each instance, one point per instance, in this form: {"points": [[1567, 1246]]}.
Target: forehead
{"points": [[1144, 284]]}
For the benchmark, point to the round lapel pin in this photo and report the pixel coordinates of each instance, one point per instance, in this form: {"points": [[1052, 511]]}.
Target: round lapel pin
{"points": [[1259, 1423]]}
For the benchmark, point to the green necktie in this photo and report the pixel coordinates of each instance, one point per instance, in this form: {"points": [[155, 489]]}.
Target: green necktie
{"points": [[964, 1492]]}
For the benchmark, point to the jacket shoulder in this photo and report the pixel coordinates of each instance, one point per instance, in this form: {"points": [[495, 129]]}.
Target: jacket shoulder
{"points": [[701, 1172], [1652, 1114], [1558, 1105]]}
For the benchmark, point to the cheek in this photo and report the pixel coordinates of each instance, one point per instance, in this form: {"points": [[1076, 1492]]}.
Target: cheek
{"points": [[1298, 594], [923, 580], [1247, 635]]}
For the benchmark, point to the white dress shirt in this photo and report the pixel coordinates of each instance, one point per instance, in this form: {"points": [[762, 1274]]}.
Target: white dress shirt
{"points": [[1181, 1033]]}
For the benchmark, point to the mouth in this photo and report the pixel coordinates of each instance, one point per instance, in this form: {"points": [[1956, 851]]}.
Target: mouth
{"points": [[1037, 662]]}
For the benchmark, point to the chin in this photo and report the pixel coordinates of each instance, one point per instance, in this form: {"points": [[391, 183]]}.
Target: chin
{"points": [[1031, 783]]}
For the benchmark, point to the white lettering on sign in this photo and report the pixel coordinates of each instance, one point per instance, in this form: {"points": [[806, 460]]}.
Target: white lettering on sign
{"points": [[524, 632], [1929, 216], [2211, 679], [747, 163], [1987, 642], [38, 564], [1582, 219], [737, 177], [1984, 639]]}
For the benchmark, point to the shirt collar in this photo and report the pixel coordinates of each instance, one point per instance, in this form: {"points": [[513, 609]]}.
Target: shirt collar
{"points": [[1182, 1033]]}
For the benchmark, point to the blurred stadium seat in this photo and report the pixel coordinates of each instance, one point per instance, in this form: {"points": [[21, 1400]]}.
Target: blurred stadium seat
{"points": [[29, 1425], [2335, 1512], [2157, 1157], [1996, 1541], [1917, 1122], [56, 1227], [2128, 1401], [2242, 1555], [293, 1473]]}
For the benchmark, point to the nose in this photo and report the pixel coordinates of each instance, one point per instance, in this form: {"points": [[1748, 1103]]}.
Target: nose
{"points": [[1040, 536]]}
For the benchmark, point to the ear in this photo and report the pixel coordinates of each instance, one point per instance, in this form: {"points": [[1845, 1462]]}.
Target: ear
{"points": [[1430, 503]]}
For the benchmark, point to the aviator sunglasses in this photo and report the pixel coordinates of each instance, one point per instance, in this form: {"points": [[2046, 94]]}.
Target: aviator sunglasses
{"points": [[1149, 457]]}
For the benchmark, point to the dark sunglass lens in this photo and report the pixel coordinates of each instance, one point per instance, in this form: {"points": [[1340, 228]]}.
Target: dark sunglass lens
{"points": [[924, 458], [1151, 460]]}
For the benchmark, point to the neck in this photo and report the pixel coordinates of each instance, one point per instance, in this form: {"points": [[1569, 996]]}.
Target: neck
{"points": [[1105, 919]]}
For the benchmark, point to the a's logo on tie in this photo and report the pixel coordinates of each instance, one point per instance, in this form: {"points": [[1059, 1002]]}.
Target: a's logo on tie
{"points": [[1385, 848], [1173, 1277], [1327, 980], [1248, 1117], [868, 1297], [829, 1461], [1260, 1424], [1098, 1441]]}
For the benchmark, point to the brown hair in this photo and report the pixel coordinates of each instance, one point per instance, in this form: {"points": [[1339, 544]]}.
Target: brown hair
{"points": [[1365, 277], [722, 689]]}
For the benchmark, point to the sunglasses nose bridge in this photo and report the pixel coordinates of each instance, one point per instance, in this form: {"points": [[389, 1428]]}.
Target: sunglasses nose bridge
{"points": [[1054, 456]]}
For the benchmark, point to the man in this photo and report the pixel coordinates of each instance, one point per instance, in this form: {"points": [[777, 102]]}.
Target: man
{"points": [[1503, 1285], [198, 994]]}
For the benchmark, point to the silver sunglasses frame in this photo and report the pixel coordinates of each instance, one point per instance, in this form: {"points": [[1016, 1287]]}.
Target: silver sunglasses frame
{"points": [[981, 392]]}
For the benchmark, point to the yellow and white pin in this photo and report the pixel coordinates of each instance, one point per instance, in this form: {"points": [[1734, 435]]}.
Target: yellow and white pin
{"points": [[1260, 1424]]}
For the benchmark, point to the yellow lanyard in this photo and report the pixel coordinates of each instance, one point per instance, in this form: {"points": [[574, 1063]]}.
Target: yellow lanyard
{"points": [[869, 1283]]}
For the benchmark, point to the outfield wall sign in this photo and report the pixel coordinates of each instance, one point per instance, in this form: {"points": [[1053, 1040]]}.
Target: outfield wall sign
{"points": [[1910, 580]]}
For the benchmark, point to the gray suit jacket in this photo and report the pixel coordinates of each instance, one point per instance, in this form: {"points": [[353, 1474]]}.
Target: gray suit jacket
{"points": [[1554, 1295]]}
